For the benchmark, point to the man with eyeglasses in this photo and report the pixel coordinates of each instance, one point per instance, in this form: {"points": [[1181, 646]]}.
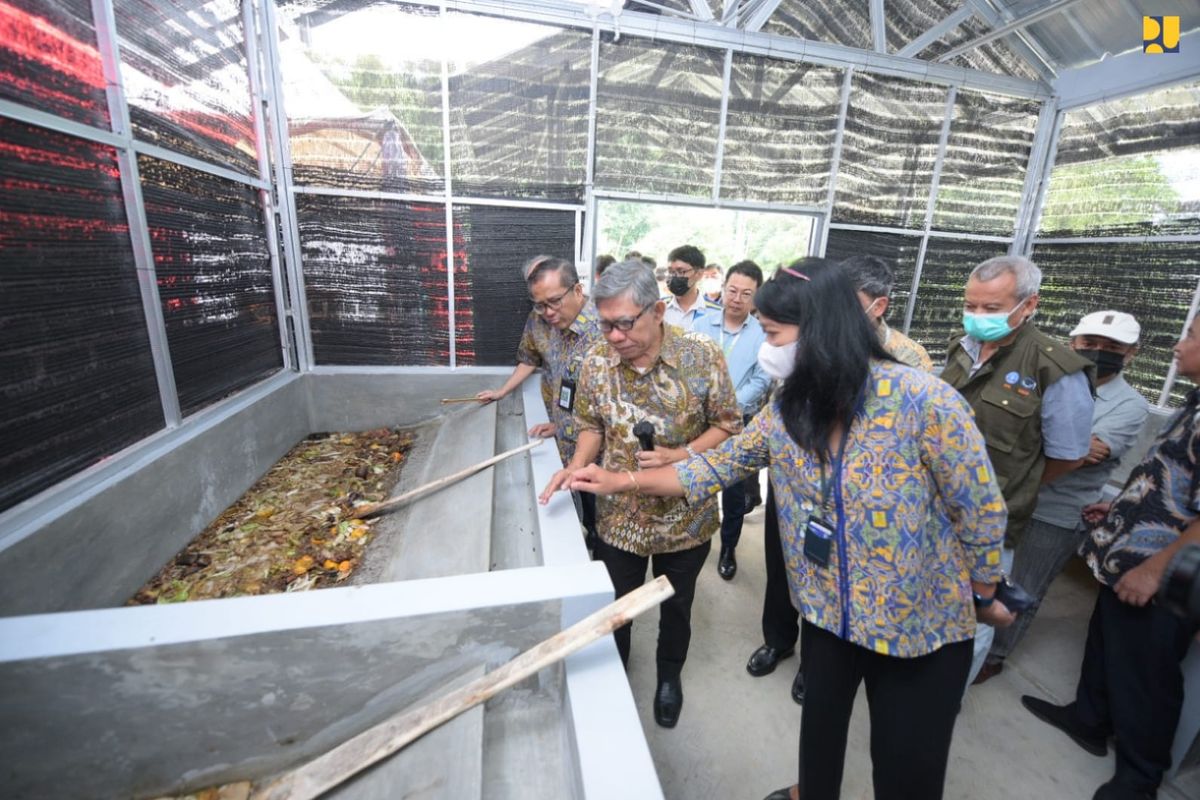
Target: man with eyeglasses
{"points": [[685, 269], [649, 371], [739, 336], [560, 329]]}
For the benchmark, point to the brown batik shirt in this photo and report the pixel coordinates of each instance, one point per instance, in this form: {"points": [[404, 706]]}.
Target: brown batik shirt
{"points": [[686, 391]]}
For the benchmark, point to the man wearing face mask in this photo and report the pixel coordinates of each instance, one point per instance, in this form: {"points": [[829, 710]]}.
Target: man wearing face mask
{"points": [[1110, 340], [873, 278], [710, 285], [685, 270], [1031, 396]]}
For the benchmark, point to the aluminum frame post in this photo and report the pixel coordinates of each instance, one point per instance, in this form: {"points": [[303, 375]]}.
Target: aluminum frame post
{"points": [[939, 29], [720, 154], [589, 178], [135, 210], [277, 134], [878, 27], [1010, 27], [934, 182], [1037, 181], [835, 158], [265, 197], [448, 177]]}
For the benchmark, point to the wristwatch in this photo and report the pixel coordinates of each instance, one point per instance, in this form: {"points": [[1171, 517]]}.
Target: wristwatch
{"points": [[981, 601]]}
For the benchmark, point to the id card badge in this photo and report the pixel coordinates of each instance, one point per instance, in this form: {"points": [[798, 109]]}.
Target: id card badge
{"points": [[818, 541], [566, 394]]}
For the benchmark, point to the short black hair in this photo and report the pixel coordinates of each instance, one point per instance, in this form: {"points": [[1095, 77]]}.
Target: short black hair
{"points": [[688, 254], [544, 265], [649, 262], [632, 254], [747, 268], [870, 275], [604, 262]]}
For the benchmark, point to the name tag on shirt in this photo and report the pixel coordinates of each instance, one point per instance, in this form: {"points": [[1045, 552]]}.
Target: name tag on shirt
{"points": [[566, 394], [818, 541]]}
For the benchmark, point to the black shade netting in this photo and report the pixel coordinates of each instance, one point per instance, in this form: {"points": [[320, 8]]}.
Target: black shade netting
{"points": [[1128, 167], [658, 109], [214, 281], [77, 380], [937, 313], [359, 117], [1153, 281], [888, 151], [496, 244], [905, 20], [376, 280], [49, 60], [844, 22], [183, 65], [983, 170], [997, 56], [519, 123], [897, 249], [779, 130]]}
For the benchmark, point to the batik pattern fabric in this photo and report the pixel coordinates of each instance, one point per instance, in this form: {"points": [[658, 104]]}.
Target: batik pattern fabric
{"points": [[559, 354], [686, 391], [904, 349], [1160, 498], [916, 509]]}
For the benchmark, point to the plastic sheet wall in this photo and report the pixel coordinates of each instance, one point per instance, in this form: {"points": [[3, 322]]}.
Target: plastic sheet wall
{"points": [[79, 374]]}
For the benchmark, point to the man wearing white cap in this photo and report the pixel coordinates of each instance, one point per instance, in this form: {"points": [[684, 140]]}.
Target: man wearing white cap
{"points": [[1110, 339]]}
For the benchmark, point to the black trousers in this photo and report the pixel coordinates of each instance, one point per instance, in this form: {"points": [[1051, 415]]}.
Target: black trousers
{"points": [[780, 619], [587, 508], [913, 703], [1131, 685], [628, 572]]}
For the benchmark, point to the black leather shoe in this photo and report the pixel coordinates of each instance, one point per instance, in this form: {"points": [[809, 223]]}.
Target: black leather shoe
{"points": [[798, 687], [668, 702], [780, 794], [1118, 791], [764, 660], [1063, 718], [727, 564]]}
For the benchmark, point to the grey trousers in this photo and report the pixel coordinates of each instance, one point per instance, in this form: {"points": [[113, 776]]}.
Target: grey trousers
{"points": [[1042, 553]]}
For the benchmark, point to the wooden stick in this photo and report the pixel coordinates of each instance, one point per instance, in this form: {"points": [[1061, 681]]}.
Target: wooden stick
{"points": [[370, 509], [351, 757], [462, 400]]}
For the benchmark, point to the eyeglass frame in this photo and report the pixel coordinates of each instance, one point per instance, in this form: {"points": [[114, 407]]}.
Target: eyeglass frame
{"points": [[624, 324], [553, 303], [690, 271]]}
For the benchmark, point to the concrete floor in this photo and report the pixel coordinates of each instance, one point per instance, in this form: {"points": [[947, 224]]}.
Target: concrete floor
{"points": [[737, 736]]}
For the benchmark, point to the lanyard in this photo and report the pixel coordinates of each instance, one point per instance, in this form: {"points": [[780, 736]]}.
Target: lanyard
{"points": [[732, 342], [835, 460]]}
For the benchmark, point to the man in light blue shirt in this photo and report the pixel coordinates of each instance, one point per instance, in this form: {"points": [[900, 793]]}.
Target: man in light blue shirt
{"points": [[740, 336]]}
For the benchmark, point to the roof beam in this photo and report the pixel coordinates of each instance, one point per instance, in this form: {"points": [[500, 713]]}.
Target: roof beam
{"points": [[1034, 54], [701, 9], [1004, 30], [1128, 74], [759, 16], [789, 48], [948, 23], [878, 26]]}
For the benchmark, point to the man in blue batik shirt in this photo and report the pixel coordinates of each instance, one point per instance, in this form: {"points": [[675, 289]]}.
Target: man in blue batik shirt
{"points": [[740, 336]]}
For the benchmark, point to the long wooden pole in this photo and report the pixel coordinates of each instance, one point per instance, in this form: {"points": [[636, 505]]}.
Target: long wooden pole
{"points": [[370, 509], [351, 757]]}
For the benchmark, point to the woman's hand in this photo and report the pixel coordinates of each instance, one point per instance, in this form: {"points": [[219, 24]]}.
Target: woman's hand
{"points": [[558, 482], [546, 430], [596, 480], [660, 457], [489, 396], [995, 614], [1094, 513]]}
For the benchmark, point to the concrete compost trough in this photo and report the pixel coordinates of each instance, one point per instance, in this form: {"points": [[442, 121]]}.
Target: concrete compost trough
{"points": [[104, 701]]}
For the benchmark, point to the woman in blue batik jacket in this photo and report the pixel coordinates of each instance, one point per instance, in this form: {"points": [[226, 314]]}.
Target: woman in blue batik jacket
{"points": [[891, 522]]}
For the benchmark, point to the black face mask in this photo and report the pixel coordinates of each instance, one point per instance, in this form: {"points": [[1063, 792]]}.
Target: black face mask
{"points": [[678, 285], [1107, 363]]}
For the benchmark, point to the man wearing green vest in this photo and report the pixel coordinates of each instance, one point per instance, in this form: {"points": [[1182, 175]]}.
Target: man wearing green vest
{"points": [[1032, 396]]}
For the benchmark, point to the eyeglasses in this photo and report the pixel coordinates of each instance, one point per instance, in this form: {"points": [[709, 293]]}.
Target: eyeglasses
{"points": [[734, 294], [625, 324], [553, 303], [674, 273]]}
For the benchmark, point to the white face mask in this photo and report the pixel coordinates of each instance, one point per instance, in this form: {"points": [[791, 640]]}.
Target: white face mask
{"points": [[778, 362], [711, 286]]}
